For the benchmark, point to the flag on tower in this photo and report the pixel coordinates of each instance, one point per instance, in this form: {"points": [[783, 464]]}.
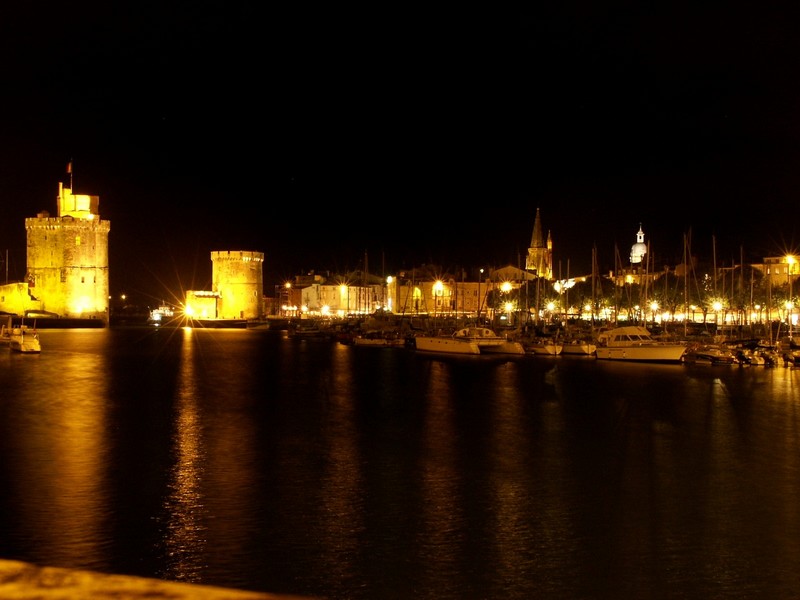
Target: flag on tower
{"points": [[69, 167]]}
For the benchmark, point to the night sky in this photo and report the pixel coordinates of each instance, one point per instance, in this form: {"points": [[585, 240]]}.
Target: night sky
{"points": [[321, 135]]}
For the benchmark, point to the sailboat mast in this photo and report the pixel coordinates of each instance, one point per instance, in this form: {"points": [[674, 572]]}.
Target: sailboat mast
{"points": [[685, 290], [594, 282], [365, 284], [714, 258], [566, 296]]}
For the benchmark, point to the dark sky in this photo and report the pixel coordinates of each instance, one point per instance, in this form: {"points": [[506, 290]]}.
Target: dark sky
{"points": [[319, 135]]}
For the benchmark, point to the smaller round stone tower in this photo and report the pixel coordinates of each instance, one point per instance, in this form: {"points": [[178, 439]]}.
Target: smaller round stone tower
{"points": [[237, 276]]}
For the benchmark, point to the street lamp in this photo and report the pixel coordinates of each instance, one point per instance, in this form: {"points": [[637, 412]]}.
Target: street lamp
{"points": [[551, 309], [717, 306], [480, 300], [287, 294], [509, 306], [438, 291], [653, 309], [388, 301], [790, 260]]}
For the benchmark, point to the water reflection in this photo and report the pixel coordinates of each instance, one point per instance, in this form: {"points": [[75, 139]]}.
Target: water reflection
{"points": [[518, 534], [304, 467], [341, 489], [442, 534], [184, 507], [59, 445]]}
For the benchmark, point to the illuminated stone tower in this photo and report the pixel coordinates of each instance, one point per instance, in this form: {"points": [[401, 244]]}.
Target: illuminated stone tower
{"points": [[540, 254], [68, 258], [237, 279]]}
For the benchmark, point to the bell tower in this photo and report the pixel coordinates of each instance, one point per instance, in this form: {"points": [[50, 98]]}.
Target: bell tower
{"points": [[540, 253]]}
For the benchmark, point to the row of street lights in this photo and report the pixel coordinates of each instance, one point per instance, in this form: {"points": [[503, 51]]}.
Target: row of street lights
{"points": [[717, 306]]}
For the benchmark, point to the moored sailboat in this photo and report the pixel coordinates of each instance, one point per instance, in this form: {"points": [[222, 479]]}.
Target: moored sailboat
{"points": [[20, 339], [469, 340]]}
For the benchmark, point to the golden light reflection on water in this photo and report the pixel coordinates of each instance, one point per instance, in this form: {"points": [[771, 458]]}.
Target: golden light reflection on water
{"points": [[348, 472], [685, 457], [60, 458], [515, 486], [535, 467], [185, 531], [342, 486], [230, 425], [443, 519]]}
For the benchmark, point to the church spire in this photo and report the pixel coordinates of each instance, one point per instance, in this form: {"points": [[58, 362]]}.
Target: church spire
{"points": [[536, 238], [540, 254]]}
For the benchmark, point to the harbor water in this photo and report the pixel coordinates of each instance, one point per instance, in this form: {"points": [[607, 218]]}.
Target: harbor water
{"points": [[252, 460]]}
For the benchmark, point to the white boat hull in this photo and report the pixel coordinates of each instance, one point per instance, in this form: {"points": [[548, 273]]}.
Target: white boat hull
{"points": [[25, 342], [20, 339], [579, 348], [507, 347], [469, 340], [634, 343], [447, 345], [379, 342], [642, 353], [548, 349]]}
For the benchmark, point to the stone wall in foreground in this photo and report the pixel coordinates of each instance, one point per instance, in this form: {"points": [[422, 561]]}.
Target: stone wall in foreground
{"points": [[25, 581]]}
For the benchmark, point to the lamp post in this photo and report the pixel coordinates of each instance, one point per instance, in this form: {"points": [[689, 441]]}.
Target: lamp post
{"points": [[438, 290], [480, 299], [287, 288], [790, 260], [653, 309], [717, 306]]}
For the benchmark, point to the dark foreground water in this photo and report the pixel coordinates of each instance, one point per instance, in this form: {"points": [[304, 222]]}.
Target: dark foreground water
{"points": [[244, 459]]}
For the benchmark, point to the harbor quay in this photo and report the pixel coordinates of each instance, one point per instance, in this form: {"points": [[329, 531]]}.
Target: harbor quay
{"points": [[26, 581]]}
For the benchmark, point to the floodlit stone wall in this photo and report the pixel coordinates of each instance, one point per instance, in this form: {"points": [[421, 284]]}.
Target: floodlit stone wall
{"points": [[67, 263], [237, 277]]}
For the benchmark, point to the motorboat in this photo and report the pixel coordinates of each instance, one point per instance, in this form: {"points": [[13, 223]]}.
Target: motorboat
{"points": [[710, 354], [790, 352], [380, 339], [636, 343], [20, 339], [306, 328], [162, 316], [757, 352]]}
